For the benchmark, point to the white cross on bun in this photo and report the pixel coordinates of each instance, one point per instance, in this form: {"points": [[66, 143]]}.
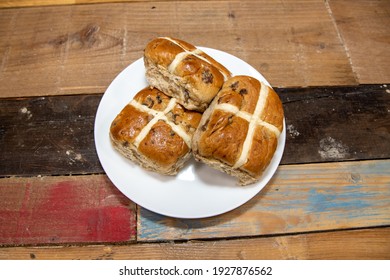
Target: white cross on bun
{"points": [[238, 133], [184, 72], [154, 131]]}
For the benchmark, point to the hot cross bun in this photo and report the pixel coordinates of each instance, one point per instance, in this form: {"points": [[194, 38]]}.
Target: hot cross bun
{"points": [[238, 134], [154, 131], [184, 72]]}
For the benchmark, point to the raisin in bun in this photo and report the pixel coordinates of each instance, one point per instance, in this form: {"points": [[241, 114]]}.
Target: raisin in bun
{"points": [[238, 134], [184, 72], [154, 131]]}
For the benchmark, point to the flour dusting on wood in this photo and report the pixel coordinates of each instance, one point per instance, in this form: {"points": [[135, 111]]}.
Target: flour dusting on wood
{"points": [[73, 157], [26, 112], [292, 131], [330, 148]]}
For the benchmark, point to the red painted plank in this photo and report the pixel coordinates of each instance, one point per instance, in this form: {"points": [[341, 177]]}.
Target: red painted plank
{"points": [[64, 209]]}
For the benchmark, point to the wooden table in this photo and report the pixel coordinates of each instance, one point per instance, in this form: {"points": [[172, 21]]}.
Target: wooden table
{"points": [[328, 60]]}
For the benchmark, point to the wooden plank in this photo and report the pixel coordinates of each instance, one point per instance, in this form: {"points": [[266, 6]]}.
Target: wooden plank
{"points": [[49, 52], [364, 26], [321, 121], [299, 198], [74, 209], [77, 49], [35, 3], [54, 135], [48, 136], [349, 245]]}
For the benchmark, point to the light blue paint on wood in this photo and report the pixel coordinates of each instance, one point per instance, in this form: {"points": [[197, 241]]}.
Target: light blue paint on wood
{"points": [[355, 198], [332, 201], [150, 224]]}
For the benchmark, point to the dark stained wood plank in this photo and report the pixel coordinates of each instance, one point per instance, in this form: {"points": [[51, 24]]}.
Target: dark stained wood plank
{"points": [[79, 49], [48, 136], [299, 198], [54, 135], [70, 209], [364, 26], [365, 244], [336, 123]]}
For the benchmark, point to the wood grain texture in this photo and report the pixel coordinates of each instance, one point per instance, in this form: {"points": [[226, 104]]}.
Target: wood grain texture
{"points": [[54, 135], [364, 26], [299, 198], [81, 48], [35, 3], [61, 49], [44, 210], [350, 245]]}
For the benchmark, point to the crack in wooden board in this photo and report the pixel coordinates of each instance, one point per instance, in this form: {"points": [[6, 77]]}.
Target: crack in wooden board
{"points": [[364, 26]]}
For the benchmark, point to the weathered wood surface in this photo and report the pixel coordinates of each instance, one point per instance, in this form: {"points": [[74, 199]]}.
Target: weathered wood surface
{"points": [[70, 209], [336, 123], [299, 198], [35, 3], [78, 49], [364, 27], [54, 135], [81, 48], [351, 244], [48, 136]]}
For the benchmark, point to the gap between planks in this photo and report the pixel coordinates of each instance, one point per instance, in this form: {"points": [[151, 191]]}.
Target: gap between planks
{"points": [[340, 36], [364, 26]]}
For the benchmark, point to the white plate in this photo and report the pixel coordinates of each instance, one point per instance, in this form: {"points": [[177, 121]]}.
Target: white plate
{"points": [[198, 191]]}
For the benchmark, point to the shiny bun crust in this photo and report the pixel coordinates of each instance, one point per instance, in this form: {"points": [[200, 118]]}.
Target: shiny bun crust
{"points": [[238, 133], [154, 131], [184, 72], [193, 106]]}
